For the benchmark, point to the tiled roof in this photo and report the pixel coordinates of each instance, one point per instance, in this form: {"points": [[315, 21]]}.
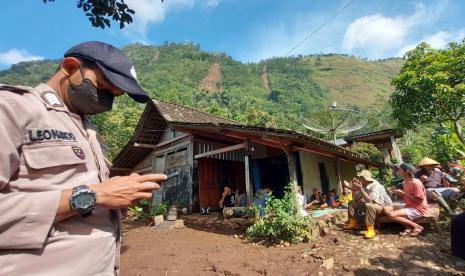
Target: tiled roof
{"points": [[176, 113]]}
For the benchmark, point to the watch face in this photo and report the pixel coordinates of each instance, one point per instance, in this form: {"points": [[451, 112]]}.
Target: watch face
{"points": [[84, 200]]}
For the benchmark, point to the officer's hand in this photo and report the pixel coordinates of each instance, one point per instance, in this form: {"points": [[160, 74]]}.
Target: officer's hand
{"points": [[123, 191]]}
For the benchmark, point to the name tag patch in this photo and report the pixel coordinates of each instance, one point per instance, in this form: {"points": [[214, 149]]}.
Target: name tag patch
{"points": [[48, 134]]}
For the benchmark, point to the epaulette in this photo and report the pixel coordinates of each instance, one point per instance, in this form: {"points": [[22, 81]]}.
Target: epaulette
{"points": [[15, 88]]}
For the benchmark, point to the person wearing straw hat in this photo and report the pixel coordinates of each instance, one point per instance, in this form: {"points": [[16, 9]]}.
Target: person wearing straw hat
{"points": [[414, 195], [433, 180], [374, 199]]}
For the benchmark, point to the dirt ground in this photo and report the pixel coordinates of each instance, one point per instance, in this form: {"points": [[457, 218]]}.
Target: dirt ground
{"points": [[218, 249]]}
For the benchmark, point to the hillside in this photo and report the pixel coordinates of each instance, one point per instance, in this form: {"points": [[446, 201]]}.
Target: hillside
{"points": [[276, 92]]}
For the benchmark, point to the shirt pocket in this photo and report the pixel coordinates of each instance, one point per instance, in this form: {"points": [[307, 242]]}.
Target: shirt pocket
{"points": [[48, 155], [47, 166]]}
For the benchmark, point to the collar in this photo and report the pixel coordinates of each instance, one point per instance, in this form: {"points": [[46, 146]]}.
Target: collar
{"points": [[50, 98]]}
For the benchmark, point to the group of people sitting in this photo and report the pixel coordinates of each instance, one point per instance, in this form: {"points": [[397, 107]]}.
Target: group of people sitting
{"points": [[416, 186], [332, 199], [233, 199]]}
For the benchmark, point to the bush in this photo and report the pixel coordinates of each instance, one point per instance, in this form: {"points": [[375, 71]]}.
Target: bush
{"points": [[281, 222], [142, 212]]}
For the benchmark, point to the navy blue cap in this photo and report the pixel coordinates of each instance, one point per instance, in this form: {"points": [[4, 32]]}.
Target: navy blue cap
{"points": [[114, 64]]}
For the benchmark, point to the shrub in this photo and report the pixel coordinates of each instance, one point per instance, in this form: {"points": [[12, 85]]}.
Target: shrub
{"points": [[139, 213], [281, 222]]}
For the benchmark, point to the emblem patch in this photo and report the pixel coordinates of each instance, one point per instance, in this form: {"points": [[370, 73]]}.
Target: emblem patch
{"points": [[51, 98], [79, 152]]}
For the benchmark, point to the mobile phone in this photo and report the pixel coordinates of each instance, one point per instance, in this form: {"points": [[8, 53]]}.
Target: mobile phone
{"points": [[171, 175]]}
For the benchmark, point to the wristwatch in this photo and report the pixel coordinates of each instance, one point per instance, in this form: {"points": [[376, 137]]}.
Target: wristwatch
{"points": [[83, 200]]}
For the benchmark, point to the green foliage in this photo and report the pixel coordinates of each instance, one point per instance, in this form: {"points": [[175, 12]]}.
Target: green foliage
{"points": [[438, 143], [161, 209], [282, 222], [430, 88], [369, 150], [144, 211], [101, 12]]}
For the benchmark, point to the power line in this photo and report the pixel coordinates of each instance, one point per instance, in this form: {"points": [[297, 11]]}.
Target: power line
{"points": [[321, 26]]}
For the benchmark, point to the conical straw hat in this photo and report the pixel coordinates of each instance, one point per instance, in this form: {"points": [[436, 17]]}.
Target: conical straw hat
{"points": [[428, 162]]}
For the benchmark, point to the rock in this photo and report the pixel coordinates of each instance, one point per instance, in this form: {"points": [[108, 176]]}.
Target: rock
{"points": [[286, 244], [325, 230], [158, 219], [236, 236], [328, 264], [320, 273], [178, 224]]}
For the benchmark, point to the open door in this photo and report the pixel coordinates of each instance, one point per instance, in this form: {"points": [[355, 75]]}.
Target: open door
{"points": [[323, 178]]}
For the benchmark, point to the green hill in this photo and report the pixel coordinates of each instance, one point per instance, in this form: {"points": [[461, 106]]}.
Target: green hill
{"points": [[275, 92]]}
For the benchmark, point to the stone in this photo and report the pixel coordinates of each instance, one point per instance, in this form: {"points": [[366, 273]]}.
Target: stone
{"points": [[158, 219], [178, 224], [320, 273], [328, 264]]}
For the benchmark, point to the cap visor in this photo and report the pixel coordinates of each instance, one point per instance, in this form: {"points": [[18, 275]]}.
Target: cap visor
{"points": [[126, 84]]}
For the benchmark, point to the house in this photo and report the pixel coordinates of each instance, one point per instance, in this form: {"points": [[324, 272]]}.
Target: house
{"points": [[210, 152]]}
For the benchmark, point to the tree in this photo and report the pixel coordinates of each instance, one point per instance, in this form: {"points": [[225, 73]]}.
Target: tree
{"points": [[430, 88], [100, 12]]}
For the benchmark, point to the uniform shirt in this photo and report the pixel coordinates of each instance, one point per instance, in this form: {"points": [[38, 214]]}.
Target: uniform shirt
{"points": [[378, 193], [45, 149], [415, 188]]}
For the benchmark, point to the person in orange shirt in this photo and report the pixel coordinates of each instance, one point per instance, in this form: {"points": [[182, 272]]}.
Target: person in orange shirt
{"points": [[414, 195]]}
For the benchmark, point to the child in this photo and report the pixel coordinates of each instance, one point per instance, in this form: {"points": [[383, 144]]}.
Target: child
{"points": [[345, 197], [333, 199]]}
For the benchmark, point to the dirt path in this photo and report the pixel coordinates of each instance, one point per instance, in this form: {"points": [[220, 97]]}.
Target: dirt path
{"points": [[213, 82], [188, 251]]}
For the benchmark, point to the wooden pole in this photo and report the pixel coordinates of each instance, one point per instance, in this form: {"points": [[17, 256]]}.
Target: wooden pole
{"points": [[248, 183], [395, 149], [338, 173], [288, 149]]}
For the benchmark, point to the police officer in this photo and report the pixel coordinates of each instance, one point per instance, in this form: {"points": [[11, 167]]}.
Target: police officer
{"points": [[58, 207]]}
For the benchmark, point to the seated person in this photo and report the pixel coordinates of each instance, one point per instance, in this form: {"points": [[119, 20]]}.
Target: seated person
{"points": [[315, 199], [301, 201], [226, 198], [434, 181], [332, 200], [261, 198], [240, 199], [345, 197], [373, 198], [414, 195]]}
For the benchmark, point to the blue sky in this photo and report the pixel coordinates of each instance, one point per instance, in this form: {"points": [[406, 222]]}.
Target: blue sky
{"points": [[247, 30]]}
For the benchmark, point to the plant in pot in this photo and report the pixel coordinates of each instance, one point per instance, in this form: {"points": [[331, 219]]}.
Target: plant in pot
{"points": [[159, 212]]}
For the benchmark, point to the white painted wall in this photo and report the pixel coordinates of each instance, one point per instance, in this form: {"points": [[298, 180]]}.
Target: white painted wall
{"points": [[311, 173]]}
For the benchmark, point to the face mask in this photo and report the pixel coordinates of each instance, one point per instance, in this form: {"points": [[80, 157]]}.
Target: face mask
{"points": [[89, 100]]}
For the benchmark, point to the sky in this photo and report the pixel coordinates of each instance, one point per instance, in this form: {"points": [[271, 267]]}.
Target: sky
{"points": [[247, 30]]}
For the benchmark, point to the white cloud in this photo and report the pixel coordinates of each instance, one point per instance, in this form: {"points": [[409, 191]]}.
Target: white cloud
{"points": [[13, 56], [149, 12], [211, 3], [376, 35], [438, 40]]}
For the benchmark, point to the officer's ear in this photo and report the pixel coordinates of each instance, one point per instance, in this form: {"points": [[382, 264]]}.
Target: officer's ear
{"points": [[70, 65]]}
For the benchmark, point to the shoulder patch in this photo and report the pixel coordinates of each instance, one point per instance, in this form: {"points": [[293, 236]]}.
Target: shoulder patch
{"points": [[51, 98], [15, 88]]}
